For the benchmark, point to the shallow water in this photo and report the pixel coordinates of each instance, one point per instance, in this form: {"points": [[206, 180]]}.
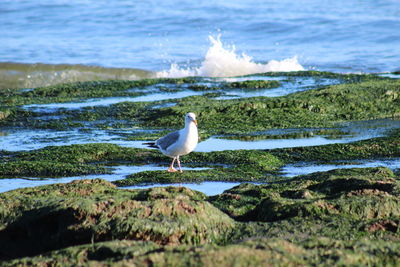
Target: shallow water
{"points": [[354, 131], [119, 173], [208, 188], [18, 139], [220, 144], [106, 101], [297, 84], [307, 168]]}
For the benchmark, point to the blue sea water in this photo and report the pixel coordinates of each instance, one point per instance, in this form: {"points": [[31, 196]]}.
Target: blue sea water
{"points": [[341, 36]]}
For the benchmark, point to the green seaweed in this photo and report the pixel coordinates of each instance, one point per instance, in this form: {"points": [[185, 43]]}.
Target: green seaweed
{"points": [[85, 211], [47, 169], [359, 97], [314, 108], [253, 84], [340, 217], [254, 252], [364, 149], [244, 165], [370, 193]]}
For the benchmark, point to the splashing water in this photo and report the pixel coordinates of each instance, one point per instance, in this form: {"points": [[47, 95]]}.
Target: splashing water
{"points": [[224, 62]]}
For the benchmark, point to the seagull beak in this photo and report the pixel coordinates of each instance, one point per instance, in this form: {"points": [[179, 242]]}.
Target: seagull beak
{"points": [[195, 122]]}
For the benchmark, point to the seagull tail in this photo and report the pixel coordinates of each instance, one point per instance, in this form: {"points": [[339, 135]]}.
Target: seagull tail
{"points": [[150, 144]]}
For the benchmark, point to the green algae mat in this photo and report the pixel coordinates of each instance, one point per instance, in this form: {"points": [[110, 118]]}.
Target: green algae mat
{"points": [[341, 217], [346, 217]]}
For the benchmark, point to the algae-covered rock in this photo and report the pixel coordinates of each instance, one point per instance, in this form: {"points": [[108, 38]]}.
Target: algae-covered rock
{"points": [[4, 113], [82, 159], [253, 84], [314, 108], [254, 252], [61, 161], [340, 217], [358, 97], [365, 149], [341, 205], [40, 219], [134, 253], [242, 165], [47, 169], [370, 193]]}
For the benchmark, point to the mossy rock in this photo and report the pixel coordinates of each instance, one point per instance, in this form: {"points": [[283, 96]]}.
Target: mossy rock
{"points": [[322, 107], [72, 160], [253, 84], [36, 220], [254, 252], [240, 165], [359, 193], [340, 217], [360, 97], [48, 169], [58, 161], [4, 113], [365, 149]]}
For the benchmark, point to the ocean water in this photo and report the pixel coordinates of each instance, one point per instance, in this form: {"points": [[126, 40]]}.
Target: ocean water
{"points": [[132, 39]]}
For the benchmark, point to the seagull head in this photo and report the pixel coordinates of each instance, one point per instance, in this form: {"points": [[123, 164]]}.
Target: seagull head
{"points": [[190, 117]]}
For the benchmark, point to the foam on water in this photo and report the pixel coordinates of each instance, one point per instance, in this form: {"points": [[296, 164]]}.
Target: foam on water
{"points": [[223, 61]]}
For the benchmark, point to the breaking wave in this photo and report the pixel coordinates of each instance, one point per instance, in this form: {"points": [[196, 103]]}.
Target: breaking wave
{"points": [[219, 61], [225, 62]]}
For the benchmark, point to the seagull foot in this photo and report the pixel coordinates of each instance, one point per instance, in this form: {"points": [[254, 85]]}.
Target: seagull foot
{"points": [[171, 169]]}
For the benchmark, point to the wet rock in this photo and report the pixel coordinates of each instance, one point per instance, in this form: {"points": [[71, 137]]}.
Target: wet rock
{"points": [[254, 252], [358, 193], [41, 219], [340, 217], [383, 225], [253, 84]]}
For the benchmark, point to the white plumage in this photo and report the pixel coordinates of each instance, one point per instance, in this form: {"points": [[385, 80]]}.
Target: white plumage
{"points": [[180, 142]]}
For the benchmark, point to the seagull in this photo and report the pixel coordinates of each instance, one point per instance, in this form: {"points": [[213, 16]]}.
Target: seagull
{"points": [[178, 143]]}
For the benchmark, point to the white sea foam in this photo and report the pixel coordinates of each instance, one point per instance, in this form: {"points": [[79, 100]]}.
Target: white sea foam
{"points": [[225, 62]]}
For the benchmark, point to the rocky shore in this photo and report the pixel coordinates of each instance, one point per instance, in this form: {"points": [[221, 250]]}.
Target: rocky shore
{"points": [[340, 217]]}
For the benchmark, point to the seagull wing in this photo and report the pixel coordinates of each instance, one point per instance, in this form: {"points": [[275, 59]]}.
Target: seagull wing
{"points": [[166, 141]]}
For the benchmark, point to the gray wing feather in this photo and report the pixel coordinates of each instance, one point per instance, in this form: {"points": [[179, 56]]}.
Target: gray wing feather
{"points": [[165, 141]]}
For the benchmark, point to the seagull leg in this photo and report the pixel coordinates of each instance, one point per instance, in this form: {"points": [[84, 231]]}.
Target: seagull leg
{"points": [[179, 164], [171, 167]]}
